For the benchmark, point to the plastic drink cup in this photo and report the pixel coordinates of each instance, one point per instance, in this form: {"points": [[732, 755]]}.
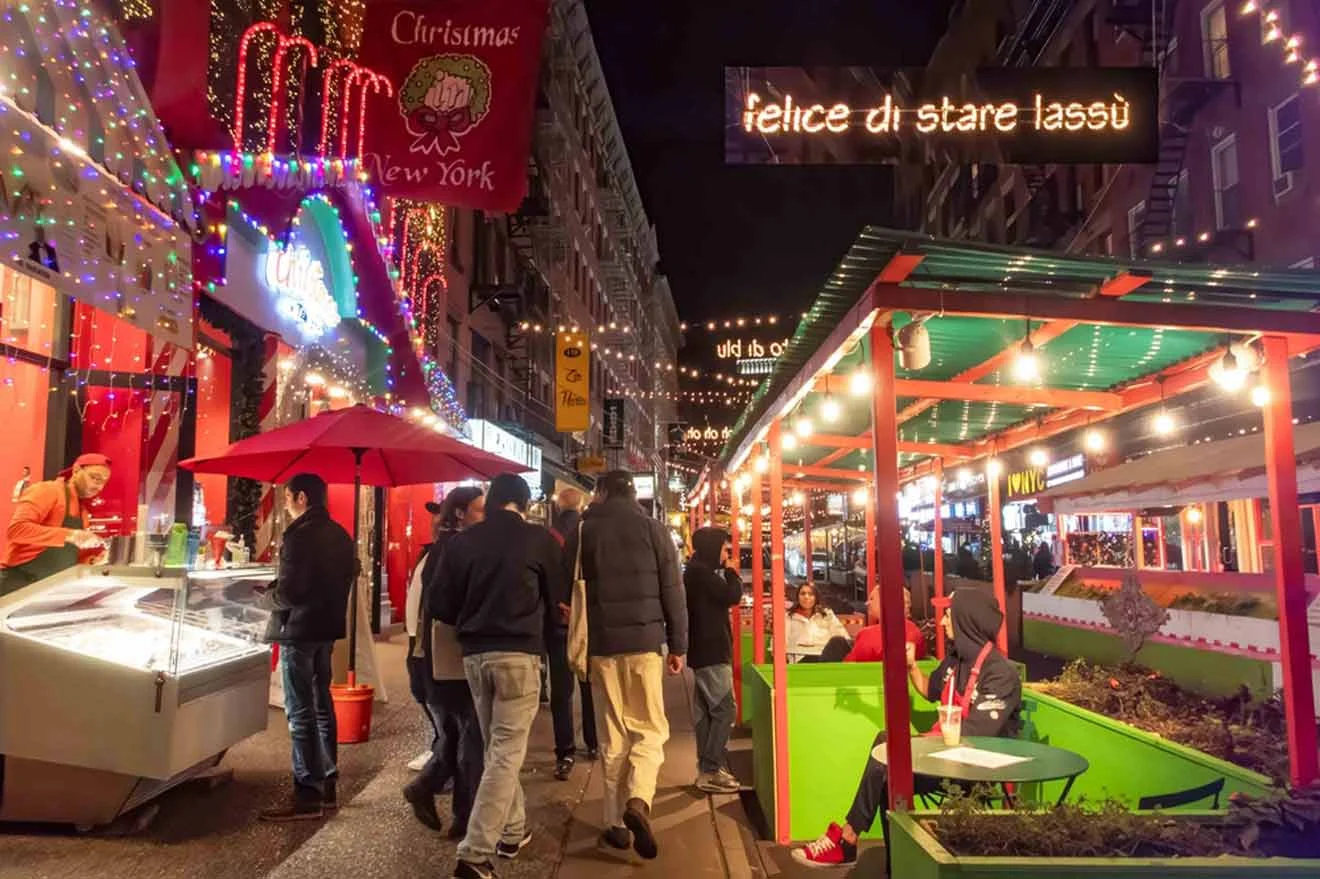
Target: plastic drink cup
{"points": [[951, 724]]}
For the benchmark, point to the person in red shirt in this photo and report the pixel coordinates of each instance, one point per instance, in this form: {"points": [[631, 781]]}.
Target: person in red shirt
{"points": [[869, 644]]}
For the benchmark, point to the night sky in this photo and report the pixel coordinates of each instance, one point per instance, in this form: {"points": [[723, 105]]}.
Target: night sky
{"points": [[745, 239]]}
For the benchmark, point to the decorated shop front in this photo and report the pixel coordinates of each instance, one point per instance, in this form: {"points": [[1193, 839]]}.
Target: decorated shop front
{"points": [[95, 303]]}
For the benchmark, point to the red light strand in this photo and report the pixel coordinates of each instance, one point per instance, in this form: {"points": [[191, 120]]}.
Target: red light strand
{"points": [[327, 89], [286, 43], [241, 91]]}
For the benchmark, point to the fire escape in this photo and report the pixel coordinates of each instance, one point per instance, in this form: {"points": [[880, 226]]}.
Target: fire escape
{"points": [[1151, 22], [1046, 221]]}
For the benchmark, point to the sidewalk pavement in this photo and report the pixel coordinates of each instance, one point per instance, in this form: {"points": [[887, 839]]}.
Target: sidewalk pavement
{"points": [[214, 832]]}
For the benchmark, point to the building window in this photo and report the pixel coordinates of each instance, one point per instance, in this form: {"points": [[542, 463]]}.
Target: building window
{"points": [[1214, 40], [1228, 194], [1286, 156], [1182, 205], [1136, 218]]}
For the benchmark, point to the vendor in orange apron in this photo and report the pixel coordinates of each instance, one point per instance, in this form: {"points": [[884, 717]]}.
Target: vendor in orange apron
{"points": [[976, 677], [48, 531]]}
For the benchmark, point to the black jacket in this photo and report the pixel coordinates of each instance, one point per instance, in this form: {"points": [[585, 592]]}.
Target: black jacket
{"points": [[496, 583], [711, 590], [566, 524], [635, 602], [996, 702], [317, 565]]}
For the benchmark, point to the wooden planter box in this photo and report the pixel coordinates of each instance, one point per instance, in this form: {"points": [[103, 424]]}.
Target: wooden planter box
{"points": [[916, 854]]}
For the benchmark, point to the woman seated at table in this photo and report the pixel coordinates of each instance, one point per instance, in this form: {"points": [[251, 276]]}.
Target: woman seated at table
{"points": [[811, 625], [975, 676]]}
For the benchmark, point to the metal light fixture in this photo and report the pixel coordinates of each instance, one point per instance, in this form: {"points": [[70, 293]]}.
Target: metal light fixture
{"points": [[1228, 372], [913, 344]]}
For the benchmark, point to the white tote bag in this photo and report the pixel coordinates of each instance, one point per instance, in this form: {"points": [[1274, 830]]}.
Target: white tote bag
{"points": [[577, 618]]}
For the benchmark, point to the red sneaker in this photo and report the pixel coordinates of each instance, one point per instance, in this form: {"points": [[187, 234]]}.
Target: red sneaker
{"points": [[829, 851]]}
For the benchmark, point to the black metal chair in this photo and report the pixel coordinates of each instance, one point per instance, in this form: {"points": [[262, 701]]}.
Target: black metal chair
{"points": [[1184, 797]]}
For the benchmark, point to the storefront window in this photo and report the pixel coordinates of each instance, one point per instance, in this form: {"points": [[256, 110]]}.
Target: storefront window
{"points": [[27, 321]]}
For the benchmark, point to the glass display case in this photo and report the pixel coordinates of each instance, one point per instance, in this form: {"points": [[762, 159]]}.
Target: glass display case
{"points": [[200, 618], [117, 683]]}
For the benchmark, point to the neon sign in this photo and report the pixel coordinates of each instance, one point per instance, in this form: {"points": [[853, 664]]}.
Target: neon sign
{"points": [[738, 349], [298, 279], [945, 116]]}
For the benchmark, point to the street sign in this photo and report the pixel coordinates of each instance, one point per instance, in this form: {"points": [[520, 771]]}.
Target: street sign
{"points": [[613, 427]]}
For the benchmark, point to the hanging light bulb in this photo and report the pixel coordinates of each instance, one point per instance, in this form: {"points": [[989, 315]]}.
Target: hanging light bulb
{"points": [[788, 442], [1094, 441], [1039, 458], [762, 464], [1193, 515], [860, 496], [1228, 372], [804, 427], [1260, 396], [830, 409], [993, 468], [798, 499], [859, 383], [1163, 423], [1026, 366]]}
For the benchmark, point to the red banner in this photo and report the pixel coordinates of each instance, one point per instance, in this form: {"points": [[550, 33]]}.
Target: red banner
{"points": [[464, 73]]}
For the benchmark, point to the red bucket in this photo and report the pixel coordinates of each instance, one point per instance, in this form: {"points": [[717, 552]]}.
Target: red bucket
{"points": [[352, 712]]}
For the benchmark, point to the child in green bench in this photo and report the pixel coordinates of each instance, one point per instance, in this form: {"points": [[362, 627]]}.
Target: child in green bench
{"points": [[981, 680]]}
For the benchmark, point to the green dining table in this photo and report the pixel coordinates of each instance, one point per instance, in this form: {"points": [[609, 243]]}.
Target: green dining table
{"points": [[1042, 762]]}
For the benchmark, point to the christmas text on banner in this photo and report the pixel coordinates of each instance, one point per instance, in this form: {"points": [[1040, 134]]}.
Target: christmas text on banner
{"points": [[464, 74], [572, 382]]}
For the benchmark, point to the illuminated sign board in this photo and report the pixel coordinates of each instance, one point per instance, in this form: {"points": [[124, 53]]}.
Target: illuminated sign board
{"points": [[709, 434], [1007, 115], [738, 349], [1066, 470], [1026, 483], [303, 297], [498, 441], [645, 485]]}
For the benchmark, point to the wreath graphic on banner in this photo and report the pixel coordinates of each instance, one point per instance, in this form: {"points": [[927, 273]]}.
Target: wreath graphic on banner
{"points": [[443, 98]]}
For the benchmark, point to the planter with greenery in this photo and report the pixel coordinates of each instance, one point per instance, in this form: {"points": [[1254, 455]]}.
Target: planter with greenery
{"points": [[1277, 836]]}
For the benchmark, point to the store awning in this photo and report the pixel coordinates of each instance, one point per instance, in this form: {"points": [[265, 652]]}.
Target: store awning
{"points": [[1226, 470]]}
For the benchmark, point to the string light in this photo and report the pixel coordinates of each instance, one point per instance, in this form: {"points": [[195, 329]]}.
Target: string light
{"points": [[1289, 44]]}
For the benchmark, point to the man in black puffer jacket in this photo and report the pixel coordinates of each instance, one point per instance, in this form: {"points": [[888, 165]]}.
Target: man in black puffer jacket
{"points": [[635, 607], [317, 565]]}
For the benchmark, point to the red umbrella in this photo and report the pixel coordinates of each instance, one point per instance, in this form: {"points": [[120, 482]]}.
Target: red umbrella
{"points": [[359, 445]]}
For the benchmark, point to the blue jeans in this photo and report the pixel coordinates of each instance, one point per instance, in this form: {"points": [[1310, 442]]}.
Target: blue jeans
{"points": [[458, 750], [306, 672], [506, 688], [715, 711]]}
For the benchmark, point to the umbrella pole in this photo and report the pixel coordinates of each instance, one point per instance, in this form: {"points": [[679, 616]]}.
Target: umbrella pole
{"points": [[353, 589]]}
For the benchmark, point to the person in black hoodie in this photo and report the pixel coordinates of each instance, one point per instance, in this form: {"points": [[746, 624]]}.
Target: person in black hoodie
{"points": [[712, 588], [310, 600], [497, 582], [562, 683], [974, 675]]}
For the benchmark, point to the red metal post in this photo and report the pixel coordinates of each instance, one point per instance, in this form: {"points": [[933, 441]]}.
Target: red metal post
{"points": [[735, 613], [779, 635], [806, 533], [758, 570], [870, 552], [884, 437], [714, 497], [1289, 573], [997, 549], [939, 555]]}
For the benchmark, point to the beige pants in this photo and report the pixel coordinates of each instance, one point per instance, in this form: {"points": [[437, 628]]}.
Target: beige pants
{"points": [[630, 719]]}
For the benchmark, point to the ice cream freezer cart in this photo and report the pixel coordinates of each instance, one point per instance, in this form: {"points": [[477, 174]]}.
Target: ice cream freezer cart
{"points": [[118, 683]]}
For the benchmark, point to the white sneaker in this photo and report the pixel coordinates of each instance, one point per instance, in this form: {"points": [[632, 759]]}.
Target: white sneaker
{"points": [[718, 783], [418, 763]]}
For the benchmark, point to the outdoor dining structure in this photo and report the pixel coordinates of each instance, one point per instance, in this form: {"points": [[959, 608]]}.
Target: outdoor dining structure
{"points": [[920, 355]]}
